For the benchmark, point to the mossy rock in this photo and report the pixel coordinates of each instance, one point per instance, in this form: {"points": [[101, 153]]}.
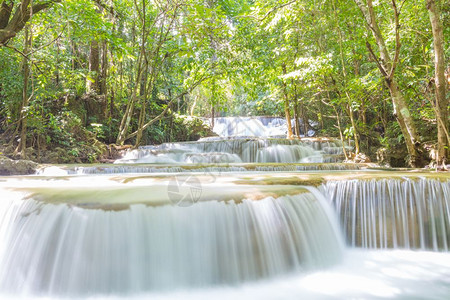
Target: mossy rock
{"points": [[16, 167]]}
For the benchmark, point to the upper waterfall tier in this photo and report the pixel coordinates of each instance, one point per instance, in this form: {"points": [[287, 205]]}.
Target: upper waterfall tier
{"points": [[254, 126], [238, 150]]}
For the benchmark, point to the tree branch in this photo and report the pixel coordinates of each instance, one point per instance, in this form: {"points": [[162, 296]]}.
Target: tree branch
{"points": [[21, 16], [375, 58], [152, 121], [5, 13], [397, 40], [276, 8], [108, 8]]}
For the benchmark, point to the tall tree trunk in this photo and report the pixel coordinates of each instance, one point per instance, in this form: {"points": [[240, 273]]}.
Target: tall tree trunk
{"points": [[344, 72], [288, 117], [387, 67], [92, 82], [320, 116], [304, 119], [193, 106], [404, 119], [21, 148], [104, 73], [212, 116], [126, 118], [348, 106], [352, 120], [286, 106], [144, 91], [296, 116], [440, 81]]}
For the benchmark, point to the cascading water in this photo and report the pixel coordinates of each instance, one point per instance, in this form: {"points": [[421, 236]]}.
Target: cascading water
{"points": [[393, 213], [237, 150], [226, 217], [197, 168], [254, 126], [58, 249]]}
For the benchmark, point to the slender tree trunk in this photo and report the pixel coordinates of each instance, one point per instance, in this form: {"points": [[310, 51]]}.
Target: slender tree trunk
{"points": [[288, 117], [143, 95], [296, 115], [339, 127], [212, 116], [21, 148], [126, 119], [320, 116], [304, 119], [344, 72], [440, 82], [355, 135], [286, 106], [340, 132], [141, 121], [193, 106]]}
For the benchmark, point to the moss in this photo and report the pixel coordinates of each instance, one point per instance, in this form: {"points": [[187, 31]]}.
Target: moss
{"points": [[121, 197], [291, 180]]}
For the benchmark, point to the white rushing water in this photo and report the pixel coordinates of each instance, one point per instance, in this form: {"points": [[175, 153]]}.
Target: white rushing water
{"points": [[255, 126], [393, 213], [64, 238], [225, 217], [238, 150], [381, 274], [53, 249], [201, 168]]}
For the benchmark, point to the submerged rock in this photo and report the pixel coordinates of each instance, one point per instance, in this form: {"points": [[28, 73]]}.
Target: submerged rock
{"points": [[16, 167]]}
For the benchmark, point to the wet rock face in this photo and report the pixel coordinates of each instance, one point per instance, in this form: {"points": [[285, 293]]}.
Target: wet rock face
{"points": [[16, 167]]}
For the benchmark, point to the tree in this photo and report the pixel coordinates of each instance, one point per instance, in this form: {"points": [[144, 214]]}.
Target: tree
{"points": [[441, 105], [387, 67], [14, 16], [21, 147]]}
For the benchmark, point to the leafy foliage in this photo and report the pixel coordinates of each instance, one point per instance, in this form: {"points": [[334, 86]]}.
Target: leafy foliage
{"points": [[192, 57]]}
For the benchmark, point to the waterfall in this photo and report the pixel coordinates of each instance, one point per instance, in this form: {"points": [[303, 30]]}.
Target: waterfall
{"points": [[238, 149], [284, 153], [198, 168], [259, 126], [53, 249], [393, 213], [226, 217]]}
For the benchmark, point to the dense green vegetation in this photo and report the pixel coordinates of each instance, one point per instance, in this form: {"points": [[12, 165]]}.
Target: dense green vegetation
{"points": [[78, 74]]}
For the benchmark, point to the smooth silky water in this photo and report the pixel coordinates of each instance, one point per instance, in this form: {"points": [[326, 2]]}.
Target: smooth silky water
{"points": [[226, 218]]}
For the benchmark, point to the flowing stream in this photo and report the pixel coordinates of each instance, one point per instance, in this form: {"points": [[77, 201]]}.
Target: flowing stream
{"points": [[226, 217]]}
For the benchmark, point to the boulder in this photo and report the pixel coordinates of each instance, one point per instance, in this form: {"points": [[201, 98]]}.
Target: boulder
{"points": [[16, 167]]}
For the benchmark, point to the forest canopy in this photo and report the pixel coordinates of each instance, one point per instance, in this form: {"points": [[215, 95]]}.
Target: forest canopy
{"points": [[77, 75]]}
